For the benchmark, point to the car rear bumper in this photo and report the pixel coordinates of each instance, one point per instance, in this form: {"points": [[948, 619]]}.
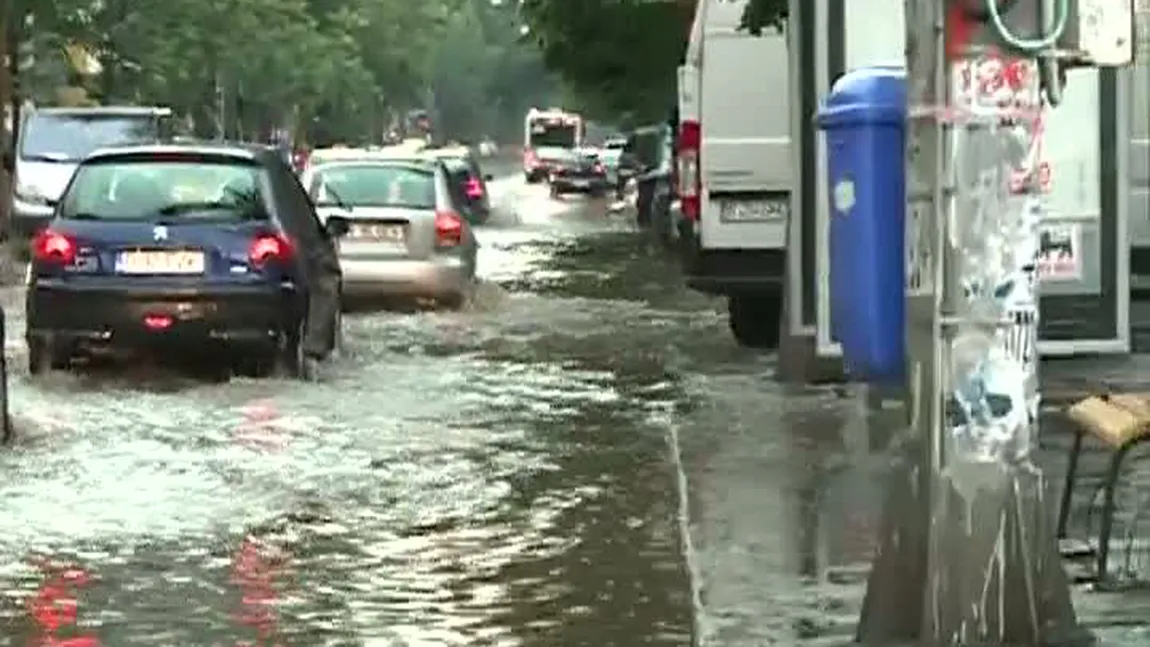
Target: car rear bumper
{"points": [[732, 272], [579, 183], [441, 277], [115, 314]]}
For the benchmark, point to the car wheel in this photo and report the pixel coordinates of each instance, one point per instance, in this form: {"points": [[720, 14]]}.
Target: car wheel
{"points": [[452, 301], [337, 332], [6, 431], [290, 356], [256, 363], [44, 355], [756, 321]]}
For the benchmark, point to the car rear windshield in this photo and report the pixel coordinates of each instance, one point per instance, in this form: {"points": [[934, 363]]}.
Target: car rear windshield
{"points": [[375, 185], [66, 137], [154, 189]]}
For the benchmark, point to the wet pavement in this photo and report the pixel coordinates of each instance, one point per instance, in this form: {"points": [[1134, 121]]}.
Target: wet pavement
{"points": [[580, 457]]}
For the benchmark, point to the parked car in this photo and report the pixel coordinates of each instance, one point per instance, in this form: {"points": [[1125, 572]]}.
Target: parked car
{"points": [[468, 181], [406, 237], [202, 247]]}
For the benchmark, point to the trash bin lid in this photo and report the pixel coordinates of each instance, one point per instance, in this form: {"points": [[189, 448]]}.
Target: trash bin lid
{"points": [[868, 95]]}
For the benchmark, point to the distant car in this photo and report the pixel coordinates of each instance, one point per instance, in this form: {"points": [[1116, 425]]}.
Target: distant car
{"points": [[542, 160], [577, 172], [618, 159], [467, 180], [406, 233], [205, 248]]}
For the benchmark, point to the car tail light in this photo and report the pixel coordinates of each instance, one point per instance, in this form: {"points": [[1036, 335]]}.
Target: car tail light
{"points": [[158, 322], [599, 168], [529, 158], [53, 247], [689, 182], [474, 188], [269, 248], [448, 228]]}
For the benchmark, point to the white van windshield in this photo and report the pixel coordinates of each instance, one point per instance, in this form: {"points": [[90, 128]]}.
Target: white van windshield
{"points": [[71, 137]]}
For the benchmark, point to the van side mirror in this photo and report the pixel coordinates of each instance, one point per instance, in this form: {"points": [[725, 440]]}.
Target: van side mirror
{"points": [[9, 163], [337, 226]]}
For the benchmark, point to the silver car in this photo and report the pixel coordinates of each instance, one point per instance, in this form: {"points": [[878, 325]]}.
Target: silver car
{"points": [[405, 236]]}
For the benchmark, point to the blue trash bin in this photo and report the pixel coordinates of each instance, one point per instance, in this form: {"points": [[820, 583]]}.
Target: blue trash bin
{"points": [[864, 118]]}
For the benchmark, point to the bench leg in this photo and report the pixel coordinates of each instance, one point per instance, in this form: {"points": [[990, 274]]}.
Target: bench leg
{"points": [[1068, 485], [1109, 487]]}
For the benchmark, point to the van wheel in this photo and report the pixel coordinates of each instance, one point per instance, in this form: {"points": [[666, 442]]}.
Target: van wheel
{"points": [[756, 320]]}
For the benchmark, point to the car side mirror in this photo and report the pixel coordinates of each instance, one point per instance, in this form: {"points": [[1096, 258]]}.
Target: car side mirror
{"points": [[9, 163], [337, 226], [487, 177]]}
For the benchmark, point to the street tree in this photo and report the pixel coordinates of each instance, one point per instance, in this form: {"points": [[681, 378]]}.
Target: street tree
{"points": [[619, 57]]}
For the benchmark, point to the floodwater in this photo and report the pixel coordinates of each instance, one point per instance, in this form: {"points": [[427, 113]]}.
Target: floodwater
{"points": [[580, 457]]}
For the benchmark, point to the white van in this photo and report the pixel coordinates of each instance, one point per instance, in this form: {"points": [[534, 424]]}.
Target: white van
{"points": [[735, 169], [50, 144]]}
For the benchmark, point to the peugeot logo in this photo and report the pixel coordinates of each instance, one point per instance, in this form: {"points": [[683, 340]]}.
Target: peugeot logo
{"points": [[160, 233]]}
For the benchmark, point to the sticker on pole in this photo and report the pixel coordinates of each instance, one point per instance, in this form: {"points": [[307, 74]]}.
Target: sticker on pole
{"points": [[995, 84], [844, 196], [1060, 253]]}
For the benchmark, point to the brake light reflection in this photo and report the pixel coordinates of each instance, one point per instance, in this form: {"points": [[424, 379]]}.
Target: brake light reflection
{"points": [[56, 609], [253, 569], [157, 322]]}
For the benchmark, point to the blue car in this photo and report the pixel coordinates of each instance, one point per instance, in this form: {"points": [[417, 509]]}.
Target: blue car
{"points": [[201, 248]]}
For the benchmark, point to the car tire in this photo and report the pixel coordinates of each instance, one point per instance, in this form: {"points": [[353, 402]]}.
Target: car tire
{"points": [[755, 320], [258, 363], [7, 433], [337, 333], [452, 301], [290, 359], [45, 355]]}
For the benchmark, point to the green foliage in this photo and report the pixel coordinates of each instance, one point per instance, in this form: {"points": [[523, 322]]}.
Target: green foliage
{"points": [[764, 14], [331, 69], [617, 57]]}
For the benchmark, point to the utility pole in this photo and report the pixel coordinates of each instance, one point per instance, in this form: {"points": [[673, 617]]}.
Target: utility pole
{"points": [[966, 554]]}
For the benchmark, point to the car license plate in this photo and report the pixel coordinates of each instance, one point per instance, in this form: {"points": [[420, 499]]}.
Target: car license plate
{"points": [[160, 262], [754, 210], [581, 183], [393, 234]]}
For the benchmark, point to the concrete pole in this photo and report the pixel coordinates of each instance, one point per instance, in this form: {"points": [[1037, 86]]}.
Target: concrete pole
{"points": [[966, 555]]}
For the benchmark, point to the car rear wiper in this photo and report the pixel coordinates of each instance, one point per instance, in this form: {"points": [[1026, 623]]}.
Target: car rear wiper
{"points": [[180, 208]]}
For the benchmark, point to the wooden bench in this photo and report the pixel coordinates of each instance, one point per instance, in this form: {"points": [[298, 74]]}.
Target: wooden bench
{"points": [[1120, 422]]}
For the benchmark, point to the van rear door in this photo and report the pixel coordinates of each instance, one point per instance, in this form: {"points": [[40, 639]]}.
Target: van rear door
{"points": [[745, 153]]}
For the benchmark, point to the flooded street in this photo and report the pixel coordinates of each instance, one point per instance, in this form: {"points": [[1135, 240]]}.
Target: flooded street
{"points": [[500, 475], [581, 457]]}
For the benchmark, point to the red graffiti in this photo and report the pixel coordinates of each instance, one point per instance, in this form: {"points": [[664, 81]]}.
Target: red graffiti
{"points": [[252, 571], [55, 608]]}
